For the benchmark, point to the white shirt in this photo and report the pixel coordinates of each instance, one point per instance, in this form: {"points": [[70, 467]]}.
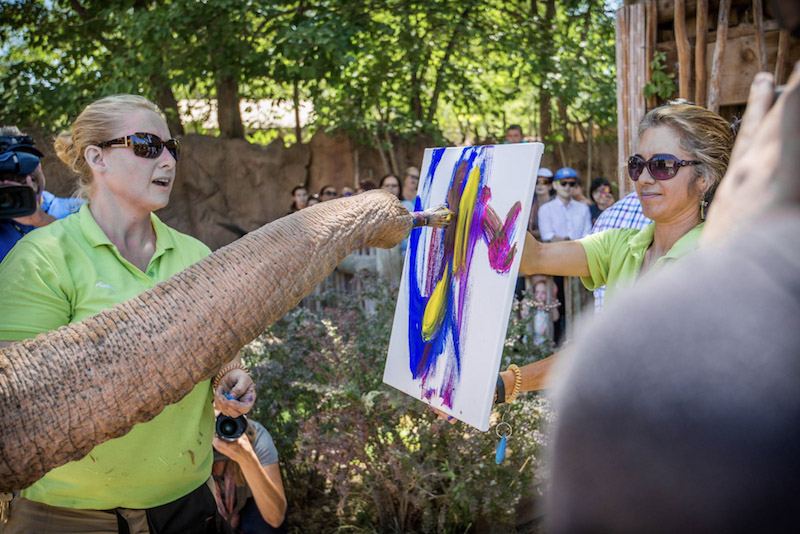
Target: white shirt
{"points": [[557, 219]]}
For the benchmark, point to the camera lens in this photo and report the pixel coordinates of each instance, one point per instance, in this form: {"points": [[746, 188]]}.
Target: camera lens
{"points": [[229, 428], [8, 201]]}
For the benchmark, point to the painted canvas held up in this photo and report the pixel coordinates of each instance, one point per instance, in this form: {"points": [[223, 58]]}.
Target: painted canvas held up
{"points": [[458, 282]]}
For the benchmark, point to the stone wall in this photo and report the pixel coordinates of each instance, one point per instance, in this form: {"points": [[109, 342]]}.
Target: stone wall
{"points": [[223, 184]]}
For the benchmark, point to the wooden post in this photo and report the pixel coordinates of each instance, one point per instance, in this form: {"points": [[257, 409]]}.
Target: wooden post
{"points": [[651, 20], [761, 46], [700, 73], [589, 154], [684, 50], [357, 175], [719, 54], [783, 55], [631, 68]]}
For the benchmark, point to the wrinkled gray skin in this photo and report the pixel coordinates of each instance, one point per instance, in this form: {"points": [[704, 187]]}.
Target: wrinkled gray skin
{"points": [[64, 392]]}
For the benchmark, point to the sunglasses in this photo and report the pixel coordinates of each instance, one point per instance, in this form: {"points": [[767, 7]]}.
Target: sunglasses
{"points": [[544, 182], [145, 145], [660, 166], [571, 183], [329, 194]]}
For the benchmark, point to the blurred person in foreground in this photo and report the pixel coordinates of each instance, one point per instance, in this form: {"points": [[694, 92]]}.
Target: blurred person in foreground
{"points": [[672, 415], [155, 478], [15, 144]]}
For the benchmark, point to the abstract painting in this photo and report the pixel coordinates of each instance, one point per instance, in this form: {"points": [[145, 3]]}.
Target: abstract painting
{"points": [[458, 282]]}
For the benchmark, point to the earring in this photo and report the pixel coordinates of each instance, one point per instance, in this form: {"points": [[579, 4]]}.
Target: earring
{"points": [[703, 208]]}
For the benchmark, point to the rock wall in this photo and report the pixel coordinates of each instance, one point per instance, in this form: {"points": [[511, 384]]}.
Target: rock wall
{"points": [[223, 184]]}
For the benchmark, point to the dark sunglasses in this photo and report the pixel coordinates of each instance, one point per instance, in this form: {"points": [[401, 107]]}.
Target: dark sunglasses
{"points": [[544, 182], [571, 183], [329, 194], [145, 145], [660, 166]]}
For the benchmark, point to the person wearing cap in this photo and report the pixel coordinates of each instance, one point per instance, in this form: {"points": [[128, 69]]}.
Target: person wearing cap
{"points": [[21, 166], [562, 219]]}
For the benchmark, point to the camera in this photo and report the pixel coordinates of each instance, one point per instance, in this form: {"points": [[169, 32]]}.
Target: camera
{"points": [[17, 200], [230, 428]]}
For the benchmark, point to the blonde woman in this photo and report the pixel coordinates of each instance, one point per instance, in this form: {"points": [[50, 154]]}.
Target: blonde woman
{"points": [[683, 154], [155, 478]]}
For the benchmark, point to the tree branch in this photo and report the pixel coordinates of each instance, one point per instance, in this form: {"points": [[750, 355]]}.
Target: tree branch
{"points": [[462, 19]]}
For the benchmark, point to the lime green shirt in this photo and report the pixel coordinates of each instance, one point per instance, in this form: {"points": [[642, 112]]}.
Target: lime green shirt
{"points": [[615, 256], [68, 271]]}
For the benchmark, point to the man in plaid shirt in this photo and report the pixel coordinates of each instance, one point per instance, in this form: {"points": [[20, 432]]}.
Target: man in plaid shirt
{"points": [[625, 213]]}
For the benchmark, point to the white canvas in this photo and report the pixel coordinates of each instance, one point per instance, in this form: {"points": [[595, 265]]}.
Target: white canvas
{"points": [[453, 309]]}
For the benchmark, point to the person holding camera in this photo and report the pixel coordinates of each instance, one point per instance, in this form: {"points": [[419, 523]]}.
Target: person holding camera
{"points": [[156, 478], [249, 489], [19, 165]]}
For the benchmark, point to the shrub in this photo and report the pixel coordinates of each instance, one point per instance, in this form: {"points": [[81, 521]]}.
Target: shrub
{"points": [[357, 453]]}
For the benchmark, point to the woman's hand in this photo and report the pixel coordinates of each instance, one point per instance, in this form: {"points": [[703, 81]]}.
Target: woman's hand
{"points": [[235, 394], [239, 450]]}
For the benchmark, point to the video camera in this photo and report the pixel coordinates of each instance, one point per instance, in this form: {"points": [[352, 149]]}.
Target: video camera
{"points": [[18, 159]]}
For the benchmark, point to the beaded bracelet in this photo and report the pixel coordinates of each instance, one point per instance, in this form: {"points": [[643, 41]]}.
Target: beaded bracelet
{"points": [[517, 383], [225, 370]]}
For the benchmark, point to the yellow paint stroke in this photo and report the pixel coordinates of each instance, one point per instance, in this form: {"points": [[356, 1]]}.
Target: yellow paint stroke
{"points": [[466, 209], [435, 309]]}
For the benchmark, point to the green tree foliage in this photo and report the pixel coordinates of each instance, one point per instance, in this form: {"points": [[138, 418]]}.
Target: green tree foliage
{"points": [[464, 68]]}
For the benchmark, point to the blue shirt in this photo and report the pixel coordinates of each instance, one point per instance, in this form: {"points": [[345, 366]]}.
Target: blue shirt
{"points": [[12, 231]]}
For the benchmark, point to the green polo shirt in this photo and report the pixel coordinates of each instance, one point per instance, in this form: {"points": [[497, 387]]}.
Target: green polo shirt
{"points": [[68, 271], [615, 256]]}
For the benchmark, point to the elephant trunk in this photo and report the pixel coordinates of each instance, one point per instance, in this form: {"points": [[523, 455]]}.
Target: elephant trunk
{"points": [[64, 392]]}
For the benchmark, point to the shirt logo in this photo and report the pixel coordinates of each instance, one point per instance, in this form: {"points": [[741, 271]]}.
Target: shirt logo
{"points": [[101, 284]]}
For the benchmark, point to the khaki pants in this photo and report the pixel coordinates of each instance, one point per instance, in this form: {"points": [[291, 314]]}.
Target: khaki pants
{"points": [[195, 512], [31, 517]]}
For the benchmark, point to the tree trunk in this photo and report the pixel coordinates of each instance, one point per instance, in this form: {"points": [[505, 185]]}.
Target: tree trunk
{"points": [[228, 115], [546, 28], [298, 128], [167, 102], [64, 392]]}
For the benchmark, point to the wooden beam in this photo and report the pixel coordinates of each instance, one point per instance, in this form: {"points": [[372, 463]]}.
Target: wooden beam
{"points": [[651, 20], [719, 54], [700, 72], [631, 68], [761, 47], [684, 50], [783, 54]]}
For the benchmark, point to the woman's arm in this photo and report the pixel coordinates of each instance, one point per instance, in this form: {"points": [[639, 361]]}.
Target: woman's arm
{"points": [[565, 258], [267, 487], [264, 481], [535, 376]]}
